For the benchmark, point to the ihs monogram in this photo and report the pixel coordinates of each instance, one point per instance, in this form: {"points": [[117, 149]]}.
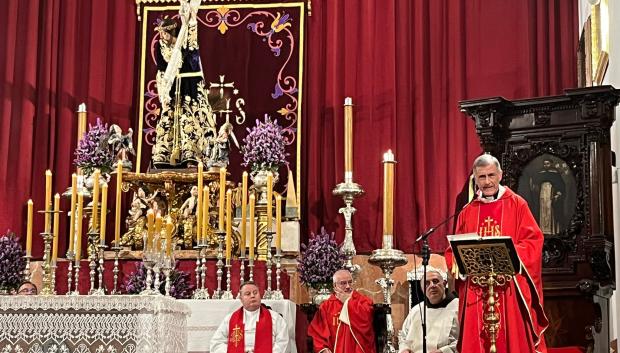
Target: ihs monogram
{"points": [[335, 319], [489, 228], [236, 335]]}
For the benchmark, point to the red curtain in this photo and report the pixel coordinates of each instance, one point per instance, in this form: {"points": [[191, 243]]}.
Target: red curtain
{"points": [[57, 54], [405, 63]]}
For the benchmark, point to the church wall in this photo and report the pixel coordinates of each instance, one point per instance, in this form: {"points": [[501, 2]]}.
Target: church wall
{"points": [[613, 78]]}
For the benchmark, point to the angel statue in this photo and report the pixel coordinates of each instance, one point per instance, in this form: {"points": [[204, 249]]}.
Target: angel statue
{"points": [[185, 110], [136, 221], [218, 147], [121, 145]]}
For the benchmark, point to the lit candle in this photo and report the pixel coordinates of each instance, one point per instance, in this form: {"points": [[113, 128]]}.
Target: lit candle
{"points": [[199, 233], [117, 218], [72, 211], [56, 224], [222, 193], [228, 226], [244, 203], [95, 214], [169, 229], [48, 200], [348, 139], [388, 199], [252, 227], [81, 128], [29, 230], [278, 223], [81, 121], [269, 202], [205, 212], [78, 233], [104, 213]]}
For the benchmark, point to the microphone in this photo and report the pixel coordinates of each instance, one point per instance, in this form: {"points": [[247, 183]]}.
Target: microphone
{"points": [[431, 230]]}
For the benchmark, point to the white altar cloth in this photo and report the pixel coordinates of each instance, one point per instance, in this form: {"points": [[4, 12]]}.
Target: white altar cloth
{"points": [[206, 316], [92, 324]]}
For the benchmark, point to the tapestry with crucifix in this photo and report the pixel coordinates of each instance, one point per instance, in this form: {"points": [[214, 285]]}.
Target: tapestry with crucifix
{"points": [[211, 70]]}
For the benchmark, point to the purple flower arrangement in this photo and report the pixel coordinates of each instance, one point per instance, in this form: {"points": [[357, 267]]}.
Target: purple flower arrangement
{"points": [[180, 286], [320, 259], [264, 146], [12, 262], [93, 151]]}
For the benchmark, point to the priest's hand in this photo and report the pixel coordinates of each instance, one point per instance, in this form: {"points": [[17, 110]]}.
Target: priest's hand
{"points": [[342, 296]]}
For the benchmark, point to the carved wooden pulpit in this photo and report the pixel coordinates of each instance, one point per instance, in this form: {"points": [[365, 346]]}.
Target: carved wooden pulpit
{"points": [[555, 152]]}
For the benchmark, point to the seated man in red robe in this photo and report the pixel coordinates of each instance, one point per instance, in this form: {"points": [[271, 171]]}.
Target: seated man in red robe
{"points": [[495, 211], [343, 323], [251, 328]]}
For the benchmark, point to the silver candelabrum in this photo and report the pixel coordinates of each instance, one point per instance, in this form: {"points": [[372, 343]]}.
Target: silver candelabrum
{"points": [[116, 250], [101, 287], [348, 190], [268, 292], [221, 236], [201, 292], [48, 265], [93, 237], [388, 259]]}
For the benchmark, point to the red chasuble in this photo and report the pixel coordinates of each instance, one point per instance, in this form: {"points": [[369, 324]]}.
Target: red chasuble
{"points": [[328, 332], [522, 319], [263, 339]]}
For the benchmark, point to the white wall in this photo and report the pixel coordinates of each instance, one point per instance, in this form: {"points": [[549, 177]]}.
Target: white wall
{"points": [[613, 78]]}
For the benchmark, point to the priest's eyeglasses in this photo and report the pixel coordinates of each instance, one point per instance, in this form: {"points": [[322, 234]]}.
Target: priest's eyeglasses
{"points": [[344, 283]]}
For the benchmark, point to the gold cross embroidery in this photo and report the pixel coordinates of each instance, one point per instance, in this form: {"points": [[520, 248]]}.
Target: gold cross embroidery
{"points": [[490, 229], [236, 336]]}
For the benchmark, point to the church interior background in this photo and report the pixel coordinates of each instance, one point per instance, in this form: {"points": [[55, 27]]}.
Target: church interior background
{"points": [[367, 98]]}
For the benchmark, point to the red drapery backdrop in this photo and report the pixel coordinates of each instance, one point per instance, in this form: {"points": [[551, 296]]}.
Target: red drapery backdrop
{"points": [[405, 63]]}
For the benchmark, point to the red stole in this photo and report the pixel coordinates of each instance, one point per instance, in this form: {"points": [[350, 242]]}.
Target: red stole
{"points": [[490, 219], [263, 339]]}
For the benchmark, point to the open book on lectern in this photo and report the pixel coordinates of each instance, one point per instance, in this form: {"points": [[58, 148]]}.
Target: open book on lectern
{"points": [[476, 255]]}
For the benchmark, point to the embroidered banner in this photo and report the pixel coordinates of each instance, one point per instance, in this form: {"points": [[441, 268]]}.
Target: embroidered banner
{"points": [[252, 62]]}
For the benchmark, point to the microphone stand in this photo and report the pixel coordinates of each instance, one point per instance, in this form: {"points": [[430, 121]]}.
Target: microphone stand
{"points": [[426, 254]]}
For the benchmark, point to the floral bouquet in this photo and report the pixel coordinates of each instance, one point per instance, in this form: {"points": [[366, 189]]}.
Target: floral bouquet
{"points": [[319, 260], [93, 151], [263, 147], [12, 262], [180, 286]]}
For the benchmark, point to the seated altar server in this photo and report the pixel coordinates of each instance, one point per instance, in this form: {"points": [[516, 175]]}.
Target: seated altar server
{"points": [[442, 328], [343, 323], [251, 328]]}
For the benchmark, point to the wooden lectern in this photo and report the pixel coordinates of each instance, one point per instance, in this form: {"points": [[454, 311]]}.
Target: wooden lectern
{"points": [[490, 262]]}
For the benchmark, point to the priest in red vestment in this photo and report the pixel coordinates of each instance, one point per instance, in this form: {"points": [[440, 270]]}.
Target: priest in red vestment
{"points": [[497, 210], [343, 323]]}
